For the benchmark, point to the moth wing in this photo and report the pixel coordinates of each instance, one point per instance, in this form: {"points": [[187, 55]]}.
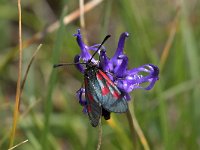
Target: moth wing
{"points": [[93, 108], [110, 97]]}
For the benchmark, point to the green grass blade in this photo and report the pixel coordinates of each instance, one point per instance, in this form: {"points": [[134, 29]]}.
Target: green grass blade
{"points": [[52, 81]]}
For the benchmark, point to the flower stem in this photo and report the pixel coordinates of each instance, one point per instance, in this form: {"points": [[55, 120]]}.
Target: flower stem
{"points": [[134, 125], [100, 135]]}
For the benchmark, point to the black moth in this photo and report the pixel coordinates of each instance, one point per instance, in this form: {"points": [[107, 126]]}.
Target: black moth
{"points": [[101, 94]]}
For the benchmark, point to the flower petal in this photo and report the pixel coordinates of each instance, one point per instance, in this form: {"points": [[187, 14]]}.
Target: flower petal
{"points": [[120, 47], [120, 69], [127, 96], [79, 95], [126, 86], [78, 66], [133, 79], [104, 61], [85, 55]]}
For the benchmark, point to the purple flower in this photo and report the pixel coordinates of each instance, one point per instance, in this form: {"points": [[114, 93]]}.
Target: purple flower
{"points": [[143, 77]]}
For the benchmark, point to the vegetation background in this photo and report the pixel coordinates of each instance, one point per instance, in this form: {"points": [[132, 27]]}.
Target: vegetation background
{"points": [[165, 33]]}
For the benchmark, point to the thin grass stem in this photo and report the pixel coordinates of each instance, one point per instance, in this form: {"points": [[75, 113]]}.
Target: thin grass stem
{"points": [[99, 135], [138, 130], [18, 145], [18, 90]]}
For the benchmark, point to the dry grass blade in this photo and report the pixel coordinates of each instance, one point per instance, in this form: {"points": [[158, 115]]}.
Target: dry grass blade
{"points": [[82, 20], [18, 145], [18, 90], [170, 40], [28, 68], [74, 15], [138, 129]]}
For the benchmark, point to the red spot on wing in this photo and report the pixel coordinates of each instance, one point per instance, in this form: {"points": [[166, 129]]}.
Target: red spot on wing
{"points": [[105, 91], [106, 78], [109, 83], [99, 76], [90, 97]]}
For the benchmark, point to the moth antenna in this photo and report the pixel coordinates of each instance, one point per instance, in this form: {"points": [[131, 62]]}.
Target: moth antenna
{"points": [[66, 64], [104, 40]]}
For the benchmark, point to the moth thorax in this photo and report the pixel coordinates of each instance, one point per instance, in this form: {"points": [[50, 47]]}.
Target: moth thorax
{"points": [[91, 72]]}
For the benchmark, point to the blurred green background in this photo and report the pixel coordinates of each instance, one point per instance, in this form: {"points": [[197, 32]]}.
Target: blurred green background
{"points": [[165, 33]]}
